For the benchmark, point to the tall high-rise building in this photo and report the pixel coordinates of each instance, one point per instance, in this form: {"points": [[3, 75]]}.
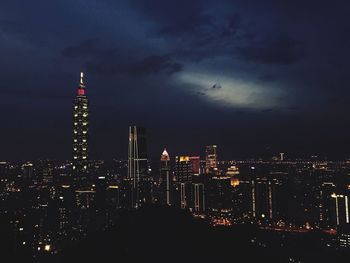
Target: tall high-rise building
{"points": [[198, 197], [183, 181], [27, 170], [195, 161], [327, 209], [80, 134], [138, 167], [211, 158], [341, 208], [220, 198], [165, 179], [266, 194], [183, 169]]}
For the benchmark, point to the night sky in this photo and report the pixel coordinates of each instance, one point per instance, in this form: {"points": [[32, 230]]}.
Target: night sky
{"points": [[245, 75]]}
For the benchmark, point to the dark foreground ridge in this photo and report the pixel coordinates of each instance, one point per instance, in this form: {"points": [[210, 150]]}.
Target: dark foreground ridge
{"points": [[164, 234]]}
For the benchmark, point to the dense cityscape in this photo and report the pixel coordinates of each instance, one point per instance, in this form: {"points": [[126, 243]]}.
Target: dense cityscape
{"points": [[52, 205]]}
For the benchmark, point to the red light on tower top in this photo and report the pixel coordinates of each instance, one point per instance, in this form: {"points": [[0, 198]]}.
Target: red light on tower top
{"points": [[81, 88], [81, 92]]}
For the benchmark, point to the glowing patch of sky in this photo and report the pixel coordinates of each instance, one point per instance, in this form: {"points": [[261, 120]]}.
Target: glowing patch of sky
{"points": [[231, 92]]}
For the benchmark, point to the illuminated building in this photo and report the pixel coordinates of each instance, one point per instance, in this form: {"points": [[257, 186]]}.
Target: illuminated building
{"points": [[80, 134], [44, 172], [3, 169], [166, 182], [27, 170], [183, 179], [343, 236], [243, 199], [85, 198], [281, 157], [195, 161], [211, 158], [219, 200], [183, 169], [138, 167], [47, 173], [233, 172], [265, 198], [341, 208], [198, 198], [326, 217]]}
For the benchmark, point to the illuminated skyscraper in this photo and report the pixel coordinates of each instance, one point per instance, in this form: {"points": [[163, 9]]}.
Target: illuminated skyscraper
{"points": [[80, 134], [183, 169], [195, 160], [198, 198], [27, 170], [211, 158], [341, 208], [266, 201], [138, 167], [165, 179], [183, 181], [220, 200]]}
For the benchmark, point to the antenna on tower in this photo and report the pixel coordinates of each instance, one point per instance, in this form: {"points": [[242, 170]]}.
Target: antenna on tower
{"points": [[81, 88], [81, 78]]}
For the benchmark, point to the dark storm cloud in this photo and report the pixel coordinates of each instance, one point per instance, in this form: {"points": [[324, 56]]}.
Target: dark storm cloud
{"points": [[136, 54], [194, 27], [154, 65], [87, 49], [107, 61], [282, 50], [170, 12], [10, 26]]}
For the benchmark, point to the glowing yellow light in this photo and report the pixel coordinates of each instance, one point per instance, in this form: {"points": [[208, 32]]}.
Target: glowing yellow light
{"points": [[184, 158], [234, 182], [47, 248]]}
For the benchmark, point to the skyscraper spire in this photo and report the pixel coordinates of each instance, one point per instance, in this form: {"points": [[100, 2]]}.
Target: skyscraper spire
{"points": [[81, 88], [138, 167], [81, 79], [165, 156], [166, 183]]}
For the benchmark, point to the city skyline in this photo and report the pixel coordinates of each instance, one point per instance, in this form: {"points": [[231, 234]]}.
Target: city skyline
{"points": [[174, 130], [248, 75], [81, 108]]}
